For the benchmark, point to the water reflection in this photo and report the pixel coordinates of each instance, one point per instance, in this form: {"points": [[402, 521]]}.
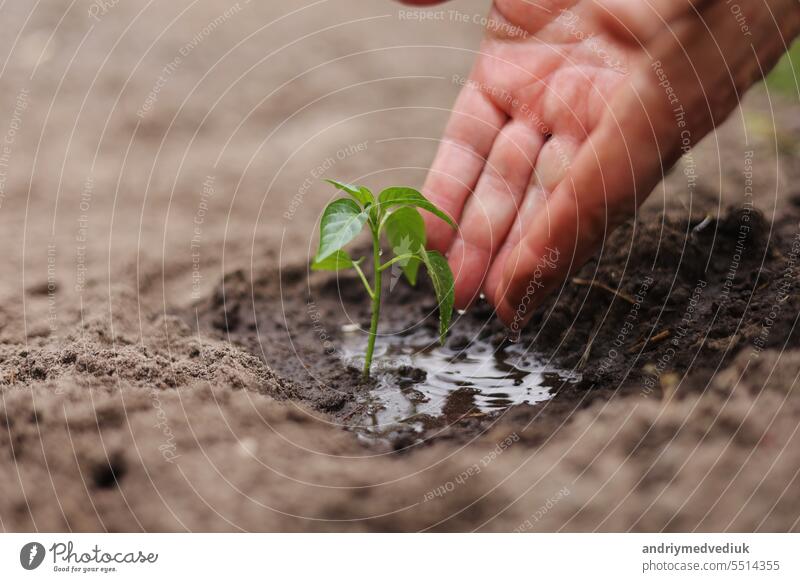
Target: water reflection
{"points": [[418, 378]]}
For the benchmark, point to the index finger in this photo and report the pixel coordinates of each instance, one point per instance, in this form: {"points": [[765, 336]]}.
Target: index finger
{"points": [[473, 126]]}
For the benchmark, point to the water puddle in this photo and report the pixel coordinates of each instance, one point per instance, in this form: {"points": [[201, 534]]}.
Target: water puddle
{"points": [[418, 379]]}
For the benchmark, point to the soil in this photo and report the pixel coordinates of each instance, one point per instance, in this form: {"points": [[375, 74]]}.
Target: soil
{"points": [[696, 293], [167, 361]]}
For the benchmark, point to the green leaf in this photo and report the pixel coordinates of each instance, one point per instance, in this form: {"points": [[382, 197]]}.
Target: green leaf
{"points": [[442, 277], [335, 262], [405, 230], [363, 195], [341, 222], [392, 197]]}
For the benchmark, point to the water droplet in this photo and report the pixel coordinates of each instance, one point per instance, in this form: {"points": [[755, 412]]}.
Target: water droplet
{"points": [[350, 327], [512, 336], [461, 311], [483, 296], [380, 253]]}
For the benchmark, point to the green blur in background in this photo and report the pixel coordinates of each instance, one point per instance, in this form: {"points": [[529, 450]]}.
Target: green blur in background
{"points": [[786, 75]]}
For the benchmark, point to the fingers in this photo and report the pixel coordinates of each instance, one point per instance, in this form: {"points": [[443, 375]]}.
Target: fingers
{"points": [[490, 211], [612, 172], [468, 138], [641, 133], [552, 165], [693, 81]]}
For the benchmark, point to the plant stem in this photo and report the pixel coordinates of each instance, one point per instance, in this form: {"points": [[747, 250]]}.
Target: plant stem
{"points": [[363, 280], [376, 301], [397, 259]]}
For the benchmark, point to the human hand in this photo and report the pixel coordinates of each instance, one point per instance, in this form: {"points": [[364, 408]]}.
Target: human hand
{"points": [[572, 114]]}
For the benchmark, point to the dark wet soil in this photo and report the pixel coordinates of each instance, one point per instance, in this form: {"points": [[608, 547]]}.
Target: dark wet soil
{"points": [[666, 298]]}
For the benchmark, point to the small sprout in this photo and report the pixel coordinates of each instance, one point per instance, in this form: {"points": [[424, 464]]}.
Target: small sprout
{"points": [[396, 213]]}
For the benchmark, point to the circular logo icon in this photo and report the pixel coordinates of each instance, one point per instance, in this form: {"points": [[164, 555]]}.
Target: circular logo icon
{"points": [[31, 555]]}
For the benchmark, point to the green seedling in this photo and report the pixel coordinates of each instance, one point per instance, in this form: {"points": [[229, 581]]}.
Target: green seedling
{"points": [[395, 213]]}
